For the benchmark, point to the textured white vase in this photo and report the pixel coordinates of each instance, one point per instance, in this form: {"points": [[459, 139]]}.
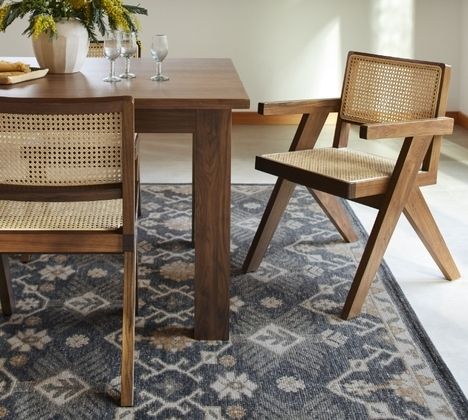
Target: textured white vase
{"points": [[65, 52]]}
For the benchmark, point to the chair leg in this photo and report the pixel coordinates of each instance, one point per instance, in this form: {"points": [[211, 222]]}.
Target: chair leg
{"points": [[336, 213], [137, 187], [193, 189], [136, 284], [401, 186], [418, 214], [370, 261], [128, 330], [6, 292], [306, 136], [193, 212], [138, 201], [277, 203]]}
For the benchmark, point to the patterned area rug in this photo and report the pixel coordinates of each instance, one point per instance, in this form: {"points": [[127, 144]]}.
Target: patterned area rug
{"points": [[290, 356]]}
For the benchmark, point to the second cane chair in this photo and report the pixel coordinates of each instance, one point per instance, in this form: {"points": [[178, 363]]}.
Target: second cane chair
{"points": [[68, 185], [386, 97]]}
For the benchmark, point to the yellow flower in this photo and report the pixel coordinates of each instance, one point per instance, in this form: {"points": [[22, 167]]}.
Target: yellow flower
{"points": [[43, 23], [78, 4], [91, 13], [3, 14], [116, 13]]}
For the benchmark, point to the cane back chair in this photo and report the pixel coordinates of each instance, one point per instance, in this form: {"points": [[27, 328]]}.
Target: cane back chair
{"points": [[68, 185], [388, 98]]}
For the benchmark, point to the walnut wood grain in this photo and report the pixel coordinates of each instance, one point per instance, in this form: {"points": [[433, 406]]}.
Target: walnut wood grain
{"points": [[67, 243], [212, 199], [399, 190], [61, 193], [341, 136], [195, 83], [429, 127], [128, 330], [336, 213], [306, 136], [274, 210], [418, 214], [299, 107]]}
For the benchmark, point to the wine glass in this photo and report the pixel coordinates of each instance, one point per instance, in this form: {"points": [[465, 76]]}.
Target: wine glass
{"points": [[112, 50], [129, 48], [159, 50]]}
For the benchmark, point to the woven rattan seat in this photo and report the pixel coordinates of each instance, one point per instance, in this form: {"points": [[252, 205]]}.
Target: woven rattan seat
{"points": [[68, 184], [386, 97], [342, 164], [47, 216]]}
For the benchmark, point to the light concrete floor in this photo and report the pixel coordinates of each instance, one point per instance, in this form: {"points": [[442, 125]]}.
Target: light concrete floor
{"points": [[440, 305]]}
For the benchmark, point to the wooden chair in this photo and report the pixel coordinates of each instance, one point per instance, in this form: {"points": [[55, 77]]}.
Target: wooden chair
{"points": [[388, 98], [68, 185], [96, 49]]}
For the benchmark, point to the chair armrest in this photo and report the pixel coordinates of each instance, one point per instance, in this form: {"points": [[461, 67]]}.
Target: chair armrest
{"points": [[430, 127], [299, 107]]}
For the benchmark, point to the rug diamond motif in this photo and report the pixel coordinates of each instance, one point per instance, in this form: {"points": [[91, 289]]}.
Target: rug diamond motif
{"points": [[62, 388], [87, 303], [276, 339]]}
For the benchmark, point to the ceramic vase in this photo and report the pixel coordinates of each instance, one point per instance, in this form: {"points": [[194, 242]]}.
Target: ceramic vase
{"points": [[64, 52]]}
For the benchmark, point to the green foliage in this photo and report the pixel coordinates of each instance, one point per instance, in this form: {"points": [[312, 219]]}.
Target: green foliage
{"points": [[93, 14]]}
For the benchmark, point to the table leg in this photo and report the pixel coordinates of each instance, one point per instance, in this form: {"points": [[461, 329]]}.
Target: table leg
{"points": [[212, 195]]}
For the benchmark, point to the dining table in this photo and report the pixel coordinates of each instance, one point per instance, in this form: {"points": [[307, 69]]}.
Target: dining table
{"points": [[198, 99]]}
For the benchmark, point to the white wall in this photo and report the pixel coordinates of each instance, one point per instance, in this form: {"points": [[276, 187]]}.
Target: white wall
{"points": [[288, 49], [437, 37], [464, 58]]}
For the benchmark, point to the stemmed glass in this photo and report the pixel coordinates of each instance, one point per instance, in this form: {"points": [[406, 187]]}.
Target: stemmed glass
{"points": [[112, 50], [159, 50], [129, 48]]}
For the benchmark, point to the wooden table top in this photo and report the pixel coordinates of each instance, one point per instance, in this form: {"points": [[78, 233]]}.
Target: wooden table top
{"points": [[194, 83]]}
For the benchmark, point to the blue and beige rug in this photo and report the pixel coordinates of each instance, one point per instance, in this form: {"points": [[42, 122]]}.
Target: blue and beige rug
{"points": [[289, 357]]}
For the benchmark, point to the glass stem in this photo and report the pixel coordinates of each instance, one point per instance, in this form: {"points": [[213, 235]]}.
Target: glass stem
{"points": [[127, 65], [112, 69], [159, 64]]}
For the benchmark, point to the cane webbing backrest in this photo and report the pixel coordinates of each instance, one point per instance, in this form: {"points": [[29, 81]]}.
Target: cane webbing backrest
{"points": [[380, 89], [60, 150]]}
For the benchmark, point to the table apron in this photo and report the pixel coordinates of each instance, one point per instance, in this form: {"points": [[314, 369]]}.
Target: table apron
{"points": [[165, 120]]}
